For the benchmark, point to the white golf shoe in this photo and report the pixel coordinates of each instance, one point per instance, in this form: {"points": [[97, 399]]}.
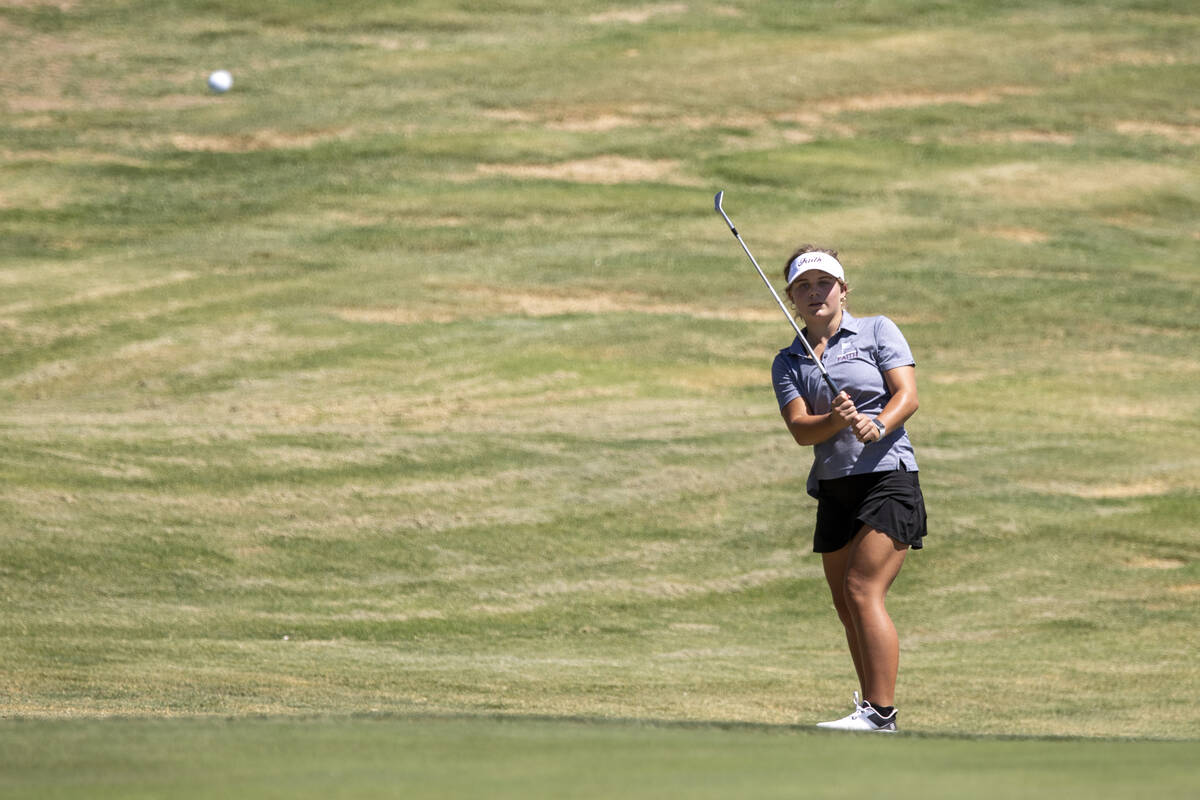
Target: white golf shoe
{"points": [[864, 718], [837, 723]]}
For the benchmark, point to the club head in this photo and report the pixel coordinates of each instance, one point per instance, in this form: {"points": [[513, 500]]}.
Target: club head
{"points": [[717, 201]]}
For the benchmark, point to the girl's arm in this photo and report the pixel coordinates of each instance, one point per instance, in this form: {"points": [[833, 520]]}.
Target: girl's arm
{"points": [[902, 383], [808, 428]]}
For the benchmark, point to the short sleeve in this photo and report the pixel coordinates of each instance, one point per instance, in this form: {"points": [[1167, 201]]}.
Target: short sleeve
{"points": [[786, 381], [891, 347]]}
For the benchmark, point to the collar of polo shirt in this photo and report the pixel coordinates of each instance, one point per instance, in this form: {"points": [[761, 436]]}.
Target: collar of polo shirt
{"points": [[849, 327]]}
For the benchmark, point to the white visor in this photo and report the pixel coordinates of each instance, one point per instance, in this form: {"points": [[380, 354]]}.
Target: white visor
{"points": [[819, 261]]}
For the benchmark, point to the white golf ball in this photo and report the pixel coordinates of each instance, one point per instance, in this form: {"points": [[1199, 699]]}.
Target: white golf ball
{"points": [[220, 81]]}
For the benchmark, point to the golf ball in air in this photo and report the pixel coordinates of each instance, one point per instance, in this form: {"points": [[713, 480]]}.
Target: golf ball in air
{"points": [[220, 81]]}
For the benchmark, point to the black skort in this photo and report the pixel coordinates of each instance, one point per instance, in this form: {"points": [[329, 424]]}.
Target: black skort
{"points": [[890, 502]]}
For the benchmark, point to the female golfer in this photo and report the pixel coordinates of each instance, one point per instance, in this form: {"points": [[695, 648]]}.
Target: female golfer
{"points": [[864, 475]]}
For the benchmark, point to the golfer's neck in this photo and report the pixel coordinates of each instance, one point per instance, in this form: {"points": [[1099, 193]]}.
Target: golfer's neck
{"points": [[821, 330]]}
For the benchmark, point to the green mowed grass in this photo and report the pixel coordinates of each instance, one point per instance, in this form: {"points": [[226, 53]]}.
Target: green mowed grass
{"points": [[416, 377], [389, 757]]}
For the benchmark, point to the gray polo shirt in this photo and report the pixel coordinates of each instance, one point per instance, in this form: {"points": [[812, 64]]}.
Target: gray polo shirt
{"points": [[856, 357]]}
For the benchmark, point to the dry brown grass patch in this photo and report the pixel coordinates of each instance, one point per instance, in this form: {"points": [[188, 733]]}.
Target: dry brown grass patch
{"points": [[101, 291], [399, 315], [1024, 137], [253, 141], [655, 587], [601, 169], [637, 16], [534, 303], [99, 98], [61, 5], [1146, 562], [510, 115], [1022, 235], [1181, 134], [895, 100], [1111, 491], [815, 117], [579, 121], [706, 379], [72, 156], [1140, 58], [1061, 185], [597, 124], [40, 75]]}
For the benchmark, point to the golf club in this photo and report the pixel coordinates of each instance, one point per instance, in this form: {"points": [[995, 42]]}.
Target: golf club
{"points": [[799, 334]]}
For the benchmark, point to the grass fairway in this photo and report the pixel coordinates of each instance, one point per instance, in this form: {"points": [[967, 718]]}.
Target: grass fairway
{"points": [[416, 376], [429, 758]]}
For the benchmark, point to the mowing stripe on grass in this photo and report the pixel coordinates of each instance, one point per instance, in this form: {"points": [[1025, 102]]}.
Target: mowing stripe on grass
{"points": [[364, 757]]}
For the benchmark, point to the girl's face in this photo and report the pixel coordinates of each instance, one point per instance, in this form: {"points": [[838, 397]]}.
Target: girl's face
{"points": [[817, 295]]}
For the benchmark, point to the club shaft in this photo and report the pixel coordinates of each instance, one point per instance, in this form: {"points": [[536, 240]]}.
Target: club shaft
{"points": [[774, 293], [799, 333]]}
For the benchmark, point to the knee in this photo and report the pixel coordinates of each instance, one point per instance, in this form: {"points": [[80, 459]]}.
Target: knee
{"points": [[842, 608], [844, 614], [860, 593]]}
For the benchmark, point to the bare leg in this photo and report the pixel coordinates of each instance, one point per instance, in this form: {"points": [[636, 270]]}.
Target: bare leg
{"points": [[836, 564], [873, 561]]}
